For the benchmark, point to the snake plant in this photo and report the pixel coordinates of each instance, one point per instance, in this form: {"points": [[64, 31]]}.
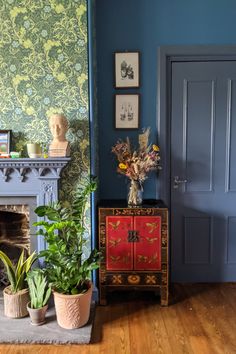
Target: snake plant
{"points": [[16, 273], [38, 288]]}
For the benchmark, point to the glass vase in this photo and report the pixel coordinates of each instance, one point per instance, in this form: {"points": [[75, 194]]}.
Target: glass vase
{"points": [[135, 193]]}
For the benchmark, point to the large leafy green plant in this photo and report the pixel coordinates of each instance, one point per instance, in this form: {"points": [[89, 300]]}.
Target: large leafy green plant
{"points": [[64, 231], [16, 273], [38, 288]]}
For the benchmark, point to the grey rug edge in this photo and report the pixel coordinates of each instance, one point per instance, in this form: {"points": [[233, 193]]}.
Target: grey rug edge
{"points": [[45, 342], [83, 338]]}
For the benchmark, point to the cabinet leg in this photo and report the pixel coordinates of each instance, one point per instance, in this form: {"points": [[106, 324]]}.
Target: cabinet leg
{"points": [[164, 296], [103, 296]]}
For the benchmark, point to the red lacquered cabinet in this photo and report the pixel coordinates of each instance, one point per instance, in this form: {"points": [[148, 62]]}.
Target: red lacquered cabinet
{"points": [[134, 245]]}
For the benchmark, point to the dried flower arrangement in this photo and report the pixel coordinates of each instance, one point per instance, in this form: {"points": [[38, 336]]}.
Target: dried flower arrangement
{"points": [[136, 164]]}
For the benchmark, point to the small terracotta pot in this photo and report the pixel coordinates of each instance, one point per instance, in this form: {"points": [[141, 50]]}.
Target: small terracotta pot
{"points": [[73, 310], [15, 305], [37, 316]]}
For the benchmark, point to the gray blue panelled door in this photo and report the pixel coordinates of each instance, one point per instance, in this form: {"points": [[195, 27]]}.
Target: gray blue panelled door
{"points": [[203, 171]]}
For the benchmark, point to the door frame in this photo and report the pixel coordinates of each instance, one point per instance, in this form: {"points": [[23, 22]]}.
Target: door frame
{"points": [[167, 55]]}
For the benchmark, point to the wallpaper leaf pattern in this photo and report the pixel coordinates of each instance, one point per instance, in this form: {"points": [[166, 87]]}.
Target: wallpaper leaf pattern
{"points": [[44, 70]]}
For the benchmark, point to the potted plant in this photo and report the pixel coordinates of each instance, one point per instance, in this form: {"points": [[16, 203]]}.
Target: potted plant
{"points": [[67, 269], [34, 150], [39, 295], [16, 295]]}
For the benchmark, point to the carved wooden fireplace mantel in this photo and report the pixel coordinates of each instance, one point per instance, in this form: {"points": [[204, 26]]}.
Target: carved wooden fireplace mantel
{"points": [[27, 177], [40, 167]]}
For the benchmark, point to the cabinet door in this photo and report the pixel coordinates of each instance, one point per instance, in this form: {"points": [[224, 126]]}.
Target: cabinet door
{"points": [[119, 252], [147, 251]]}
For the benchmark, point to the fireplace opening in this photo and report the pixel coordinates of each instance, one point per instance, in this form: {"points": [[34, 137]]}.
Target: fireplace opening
{"points": [[14, 234]]}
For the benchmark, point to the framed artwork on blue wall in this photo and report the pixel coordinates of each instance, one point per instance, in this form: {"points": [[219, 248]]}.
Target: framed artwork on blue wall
{"points": [[127, 69], [5, 139], [127, 111]]}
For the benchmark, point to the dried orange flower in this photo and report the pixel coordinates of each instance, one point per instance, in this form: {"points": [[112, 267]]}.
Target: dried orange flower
{"points": [[122, 166], [155, 147]]}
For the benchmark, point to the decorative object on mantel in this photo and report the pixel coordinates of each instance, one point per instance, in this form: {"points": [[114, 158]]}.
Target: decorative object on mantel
{"points": [[67, 270], [59, 146], [136, 164], [44, 147], [34, 150], [15, 154], [5, 140]]}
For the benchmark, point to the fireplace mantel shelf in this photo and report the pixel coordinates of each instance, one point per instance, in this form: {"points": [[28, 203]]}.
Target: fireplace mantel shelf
{"points": [[40, 167]]}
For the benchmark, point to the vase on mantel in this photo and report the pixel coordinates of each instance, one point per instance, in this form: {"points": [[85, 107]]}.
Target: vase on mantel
{"points": [[135, 193]]}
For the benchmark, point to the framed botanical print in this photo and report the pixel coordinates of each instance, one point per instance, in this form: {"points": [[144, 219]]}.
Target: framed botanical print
{"points": [[5, 139], [127, 111], [127, 69]]}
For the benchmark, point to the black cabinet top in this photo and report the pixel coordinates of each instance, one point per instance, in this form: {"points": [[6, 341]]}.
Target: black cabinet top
{"points": [[122, 203]]}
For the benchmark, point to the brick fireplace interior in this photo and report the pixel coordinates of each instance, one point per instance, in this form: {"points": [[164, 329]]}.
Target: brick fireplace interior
{"points": [[16, 230]]}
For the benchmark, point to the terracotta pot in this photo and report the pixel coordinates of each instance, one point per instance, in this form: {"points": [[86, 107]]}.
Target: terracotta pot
{"points": [[37, 316], [15, 305], [72, 310]]}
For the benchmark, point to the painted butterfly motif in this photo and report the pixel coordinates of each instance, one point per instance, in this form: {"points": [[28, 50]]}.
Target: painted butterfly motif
{"points": [[152, 225], [114, 243], [115, 259], [114, 225], [153, 259], [151, 239], [142, 258]]}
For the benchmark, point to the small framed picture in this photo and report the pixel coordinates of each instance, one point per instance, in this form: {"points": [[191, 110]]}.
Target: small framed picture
{"points": [[5, 140], [127, 69], [127, 111]]}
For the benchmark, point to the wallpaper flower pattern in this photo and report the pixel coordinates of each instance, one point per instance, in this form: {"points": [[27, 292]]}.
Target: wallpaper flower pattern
{"points": [[43, 70]]}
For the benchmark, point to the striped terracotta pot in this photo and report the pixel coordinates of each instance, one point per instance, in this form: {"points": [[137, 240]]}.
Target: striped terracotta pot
{"points": [[15, 305]]}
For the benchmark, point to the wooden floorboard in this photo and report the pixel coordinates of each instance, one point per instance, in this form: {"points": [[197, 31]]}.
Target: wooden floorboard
{"points": [[201, 319]]}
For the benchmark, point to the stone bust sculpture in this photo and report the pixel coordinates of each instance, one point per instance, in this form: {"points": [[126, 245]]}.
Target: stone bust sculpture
{"points": [[59, 146]]}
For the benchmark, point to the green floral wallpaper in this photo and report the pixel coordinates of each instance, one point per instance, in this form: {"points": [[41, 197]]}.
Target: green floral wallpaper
{"points": [[43, 70]]}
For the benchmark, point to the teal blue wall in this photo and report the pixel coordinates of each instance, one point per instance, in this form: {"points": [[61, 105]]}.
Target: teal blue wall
{"points": [[145, 25]]}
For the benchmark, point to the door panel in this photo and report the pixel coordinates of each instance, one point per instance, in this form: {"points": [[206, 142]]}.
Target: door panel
{"points": [[231, 240], [198, 148], [203, 150], [231, 134], [197, 240]]}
